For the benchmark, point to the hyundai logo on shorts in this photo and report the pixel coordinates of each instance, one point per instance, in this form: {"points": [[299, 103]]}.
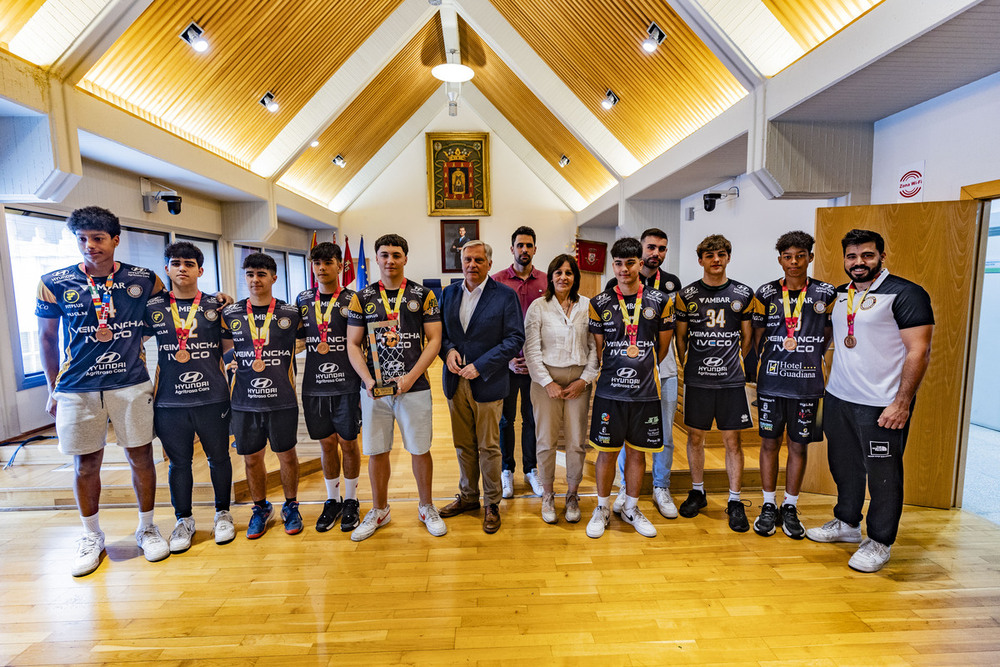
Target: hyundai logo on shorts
{"points": [[713, 361], [328, 368], [190, 377], [626, 373], [108, 358], [260, 383]]}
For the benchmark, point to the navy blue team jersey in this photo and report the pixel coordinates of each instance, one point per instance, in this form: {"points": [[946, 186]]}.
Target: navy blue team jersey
{"points": [[714, 316], [329, 374], [274, 387]]}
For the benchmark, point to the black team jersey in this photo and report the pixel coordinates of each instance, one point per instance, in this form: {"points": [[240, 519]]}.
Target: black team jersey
{"points": [[714, 317], [200, 380], [274, 387], [419, 305], [794, 373], [329, 374], [623, 378]]}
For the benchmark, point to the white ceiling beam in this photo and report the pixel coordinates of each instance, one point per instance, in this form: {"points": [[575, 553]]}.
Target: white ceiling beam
{"points": [[341, 89], [494, 29], [110, 24]]}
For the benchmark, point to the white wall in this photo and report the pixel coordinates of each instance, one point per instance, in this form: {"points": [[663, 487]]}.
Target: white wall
{"points": [[752, 223], [396, 202], [957, 135]]}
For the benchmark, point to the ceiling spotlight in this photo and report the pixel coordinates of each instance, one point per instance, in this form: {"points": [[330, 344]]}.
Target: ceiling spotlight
{"points": [[193, 36], [610, 99], [268, 102], [656, 37], [563, 161], [315, 143], [434, 3], [452, 73], [339, 161]]}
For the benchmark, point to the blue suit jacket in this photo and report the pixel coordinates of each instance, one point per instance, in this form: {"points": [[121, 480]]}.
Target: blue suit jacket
{"points": [[493, 338]]}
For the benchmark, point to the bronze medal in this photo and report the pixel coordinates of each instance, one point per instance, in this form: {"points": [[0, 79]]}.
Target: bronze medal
{"points": [[789, 344], [632, 351], [850, 341], [258, 366], [104, 335], [323, 347], [182, 356]]}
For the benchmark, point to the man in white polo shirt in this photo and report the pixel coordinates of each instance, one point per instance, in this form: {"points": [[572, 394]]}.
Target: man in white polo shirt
{"points": [[882, 327]]}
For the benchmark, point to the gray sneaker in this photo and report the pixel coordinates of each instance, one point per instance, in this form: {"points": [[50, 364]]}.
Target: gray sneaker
{"points": [[572, 508], [871, 556], [180, 539], [549, 508], [835, 530]]}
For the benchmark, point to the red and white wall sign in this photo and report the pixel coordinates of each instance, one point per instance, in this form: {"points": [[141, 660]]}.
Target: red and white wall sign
{"points": [[911, 183]]}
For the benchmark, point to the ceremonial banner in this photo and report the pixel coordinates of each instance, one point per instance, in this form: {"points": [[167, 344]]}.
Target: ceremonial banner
{"points": [[458, 173], [590, 255]]}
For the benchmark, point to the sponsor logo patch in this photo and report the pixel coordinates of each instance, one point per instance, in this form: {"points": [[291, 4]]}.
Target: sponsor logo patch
{"points": [[737, 306], [211, 315], [71, 296], [413, 305], [260, 383], [626, 373], [108, 358], [819, 307], [328, 368], [284, 322], [134, 291], [190, 377], [878, 449], [370, 308], [157, 317]]}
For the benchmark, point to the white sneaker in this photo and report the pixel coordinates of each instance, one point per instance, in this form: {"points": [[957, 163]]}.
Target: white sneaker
{"points": [[507, 483], [429, 515], [153, 546], [88, 553], [639, 521], [871, 556], [180, 539], [619, 503], [835, 530], [374, 520], [225, 529], [531, 478], [549, 508], [664, 503], [598, 522]]}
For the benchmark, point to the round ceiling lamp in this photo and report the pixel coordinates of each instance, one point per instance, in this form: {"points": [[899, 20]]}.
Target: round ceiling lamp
{"points": [[452, 73]]}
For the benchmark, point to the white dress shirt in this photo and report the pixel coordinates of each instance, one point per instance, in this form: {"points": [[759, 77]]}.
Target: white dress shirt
{"points": [[554, 339], [469, 302]]}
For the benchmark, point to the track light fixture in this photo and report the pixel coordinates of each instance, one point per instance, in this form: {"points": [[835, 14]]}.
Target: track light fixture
{"points": [[268, 102], [193, 36], [656, 37], [339, 161], [563, 161], [610, 99]]}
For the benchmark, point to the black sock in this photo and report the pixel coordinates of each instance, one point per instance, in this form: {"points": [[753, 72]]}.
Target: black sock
{"points": [[261, 503], [289, 500]]}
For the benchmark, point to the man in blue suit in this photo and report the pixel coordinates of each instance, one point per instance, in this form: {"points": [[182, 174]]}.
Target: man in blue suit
{"points": [[483, 330]]}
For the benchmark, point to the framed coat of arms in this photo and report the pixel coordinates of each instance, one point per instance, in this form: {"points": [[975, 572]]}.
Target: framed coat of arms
{"points": [[458, 173]]}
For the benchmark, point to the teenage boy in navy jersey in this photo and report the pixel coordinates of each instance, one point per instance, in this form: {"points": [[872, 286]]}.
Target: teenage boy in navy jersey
{"points": [[263, 331], [101, 304], [331, 398], [191, 393], [791, 330], [713, 336]]}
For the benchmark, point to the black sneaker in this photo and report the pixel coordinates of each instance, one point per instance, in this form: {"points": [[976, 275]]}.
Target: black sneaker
{"points": [[350, 519], [738, 516], [331, 512], [695, 501], [764, 525], [790, 523]]}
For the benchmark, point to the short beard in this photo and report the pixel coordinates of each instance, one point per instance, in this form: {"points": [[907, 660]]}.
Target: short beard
{"points": [[651, 262], [870, 276]]}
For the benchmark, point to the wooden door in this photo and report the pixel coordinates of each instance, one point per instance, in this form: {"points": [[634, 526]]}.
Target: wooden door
{"points": [[936, 245]]}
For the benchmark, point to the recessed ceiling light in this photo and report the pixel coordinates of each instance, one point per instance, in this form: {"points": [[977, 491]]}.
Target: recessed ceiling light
{"points": [[315, 143], [339, 161], [656, 37], [610, 99], [268, 102], [563, 161], [193, 36], [452, 73]]}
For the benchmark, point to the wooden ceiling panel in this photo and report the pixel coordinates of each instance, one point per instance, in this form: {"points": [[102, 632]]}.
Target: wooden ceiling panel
{"points": [[358, 133], [593, 45], [531, 118], [812, 22], [288, 47], [13, 15]]}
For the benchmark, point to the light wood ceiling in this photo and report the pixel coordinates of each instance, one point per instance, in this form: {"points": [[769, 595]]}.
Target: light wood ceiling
{"points": [[531, 117], [289, 47], [811, 22], [593, 45], [372, 118], [13, 15]]}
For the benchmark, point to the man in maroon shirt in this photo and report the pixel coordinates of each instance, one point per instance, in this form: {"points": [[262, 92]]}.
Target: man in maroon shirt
{"points": [[529, 283]]}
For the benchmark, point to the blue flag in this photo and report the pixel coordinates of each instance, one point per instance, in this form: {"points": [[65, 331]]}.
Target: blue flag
{"points": [[362, 279]]}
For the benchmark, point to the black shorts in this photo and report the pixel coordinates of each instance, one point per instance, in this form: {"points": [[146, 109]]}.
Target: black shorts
{"points": [[176, 428], [802, 418], [253, 430], [329, 415], [617, 423], [728, 407]]}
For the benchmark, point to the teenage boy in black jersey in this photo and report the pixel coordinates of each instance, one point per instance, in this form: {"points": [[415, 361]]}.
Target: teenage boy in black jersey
{"points": [[791, 331], [191, 393], [331, 398], [713, 336], [632, 326], [263, 330]]}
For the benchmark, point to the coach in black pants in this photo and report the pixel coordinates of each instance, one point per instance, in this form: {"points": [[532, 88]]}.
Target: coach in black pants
{"points": [[882, 327]]}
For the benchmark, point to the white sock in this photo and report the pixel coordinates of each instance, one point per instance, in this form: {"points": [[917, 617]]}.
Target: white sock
{"points": [[698, 486], [791, 500], [145, 519], [91, 524], [604, 501], [733, 495], [332, 488], [351, 488], [630, 503], [769, 496]]}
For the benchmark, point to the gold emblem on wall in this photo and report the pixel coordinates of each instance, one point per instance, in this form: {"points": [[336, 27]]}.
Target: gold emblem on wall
{"points": [[458, 173]]}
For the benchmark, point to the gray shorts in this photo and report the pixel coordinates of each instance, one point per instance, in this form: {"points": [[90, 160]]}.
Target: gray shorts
{"points": [[82, 418], [411, 410]]}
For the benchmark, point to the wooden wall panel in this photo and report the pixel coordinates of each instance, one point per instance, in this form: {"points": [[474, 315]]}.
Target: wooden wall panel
{"points": [[812, 22], [372, 118], [13, 15], [935, 245], [593, 45]]}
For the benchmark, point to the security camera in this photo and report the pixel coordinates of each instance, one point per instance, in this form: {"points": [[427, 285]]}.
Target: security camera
{"points": [[154, 192], [173, 203], [710, 199]]}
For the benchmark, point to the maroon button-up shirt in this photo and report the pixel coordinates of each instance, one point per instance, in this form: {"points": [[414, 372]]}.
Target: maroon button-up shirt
{"points": [[527, 290]]}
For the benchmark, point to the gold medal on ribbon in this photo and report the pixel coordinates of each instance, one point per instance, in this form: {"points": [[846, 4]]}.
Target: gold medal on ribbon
{"points": [[259, 336], [631, 321], [323, 319], [792, 318], [183, 329]]}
